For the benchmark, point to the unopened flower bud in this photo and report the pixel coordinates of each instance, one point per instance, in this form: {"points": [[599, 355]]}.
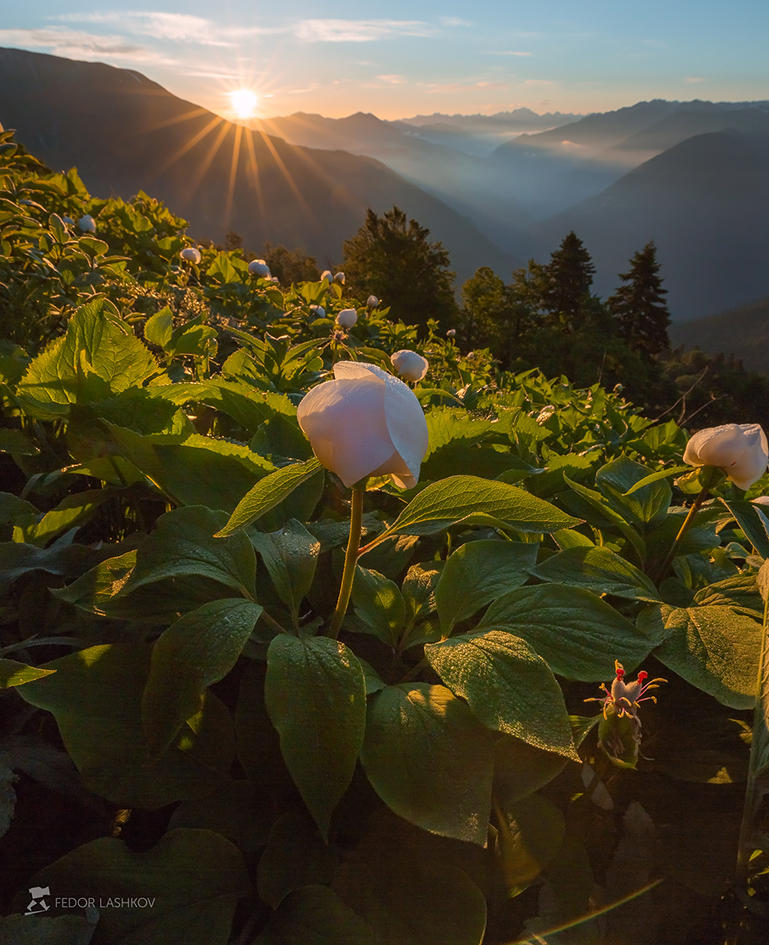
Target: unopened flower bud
{"points": [[190, 254], [451, 332], [739, 449], [372, 301], [339, 277], [258, 267], [347, 317], [87, 224], [318, 310], [410, 365], [326, 276]]}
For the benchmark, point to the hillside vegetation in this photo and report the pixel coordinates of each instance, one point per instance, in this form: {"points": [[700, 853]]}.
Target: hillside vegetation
{"points": [[243, 703]]}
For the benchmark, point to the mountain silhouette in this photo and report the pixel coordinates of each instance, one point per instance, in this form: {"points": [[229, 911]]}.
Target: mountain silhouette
{"points": [[126, 133]]}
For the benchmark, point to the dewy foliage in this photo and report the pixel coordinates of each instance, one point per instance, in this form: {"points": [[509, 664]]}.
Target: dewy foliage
{"points": [[174, 712]]}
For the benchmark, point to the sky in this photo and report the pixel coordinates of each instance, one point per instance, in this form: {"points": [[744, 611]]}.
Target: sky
{"points": [[409, 57]]}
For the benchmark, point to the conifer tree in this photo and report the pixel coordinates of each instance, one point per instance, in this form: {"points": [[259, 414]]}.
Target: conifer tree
{"points": [[569, 276], [391, 257], [639, 305]]}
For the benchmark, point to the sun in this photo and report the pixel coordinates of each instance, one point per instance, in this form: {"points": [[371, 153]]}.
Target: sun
{"points": [[244, 102]]}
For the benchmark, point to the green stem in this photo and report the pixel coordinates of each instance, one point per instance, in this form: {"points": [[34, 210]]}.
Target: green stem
{"points": [[350, 560], [688, 521], [753, 790]]}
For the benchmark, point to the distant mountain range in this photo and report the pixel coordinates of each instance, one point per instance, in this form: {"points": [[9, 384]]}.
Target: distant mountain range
{"points": [[126, 133], [742, 332], [692, 176]]}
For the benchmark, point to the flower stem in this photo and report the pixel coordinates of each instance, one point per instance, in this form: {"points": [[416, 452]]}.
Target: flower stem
{"points": [[688, 522], [350, 560]]}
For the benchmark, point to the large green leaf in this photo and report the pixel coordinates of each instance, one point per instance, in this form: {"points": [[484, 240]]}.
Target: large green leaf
{"points": [[99, 355], [530, 834], [192, 654], [470, 498], [290, 556], [268, 493], [597, 501], [430, 760], [579, 635], [73, 510], [316, 695], [183, 544], [95, 696], [184, 889], [478, 572], [716, 649], [315, 915], [379, 605], [753, 522], [508, 686], [43, 930], [520, 769], [408, 900], [295, 856], [645, 505], [599, 570], [13, 673]]}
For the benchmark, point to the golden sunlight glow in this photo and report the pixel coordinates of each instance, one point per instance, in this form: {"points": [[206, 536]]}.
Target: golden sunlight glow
{"points": [[244, 102]]}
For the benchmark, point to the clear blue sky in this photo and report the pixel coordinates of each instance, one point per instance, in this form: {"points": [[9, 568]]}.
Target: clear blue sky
{"points": [[415, 56]]}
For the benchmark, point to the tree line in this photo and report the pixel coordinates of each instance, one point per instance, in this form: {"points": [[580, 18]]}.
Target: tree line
{"points": [[546, 317]]}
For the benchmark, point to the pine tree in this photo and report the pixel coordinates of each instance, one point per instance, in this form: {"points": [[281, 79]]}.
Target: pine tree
{"points": [[391, 257], [639, 306], [569, 276]]}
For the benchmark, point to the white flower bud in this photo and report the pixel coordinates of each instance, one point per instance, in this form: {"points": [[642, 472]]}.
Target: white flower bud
{"points": [[739, 449], [190, 254], [410, 365], [372, 301], [275, 280], [326, 276], [258, 267], [365, 423], [471, 356], [339, 277], [68, 220], [87, 224], [318, 310], [451, 332], [347, 317]]}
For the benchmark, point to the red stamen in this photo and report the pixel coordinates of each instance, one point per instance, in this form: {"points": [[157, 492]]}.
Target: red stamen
{"points": [[642, 675]]}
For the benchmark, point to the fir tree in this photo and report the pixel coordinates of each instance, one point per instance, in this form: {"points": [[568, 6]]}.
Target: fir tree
{"points": [[392, 258], [569, 276], [639, 305]]}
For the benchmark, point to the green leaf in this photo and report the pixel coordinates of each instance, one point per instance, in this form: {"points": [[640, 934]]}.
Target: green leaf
{"points": [[44, 930], [647, 504], [598, 502], [159, 328], [520, 769], [183, 544], [95, 696], [753, 522], [295, 856], [411, 901], [194, 341], [268, 493], [191, 655], [315, 915], [430, 760], [531, 832], [99, 355], [192, 878], [477, 573], [13, 673], [12, 508], [461, 498], [656, 477], [379, 605], [236, 810], [716, 649], [73, 510], [290, 556], [508, 686], [316, 696], [577, 633], [599, 570]]}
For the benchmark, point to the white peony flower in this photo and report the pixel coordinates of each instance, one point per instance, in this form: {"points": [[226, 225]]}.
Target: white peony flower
{"points": [[365, 422], [372, 301], [410, 365], [740, 449], [326, 276], [87, 224], [319, 310], [347, 317], [258, 267], [190, 254], [339, 277]]}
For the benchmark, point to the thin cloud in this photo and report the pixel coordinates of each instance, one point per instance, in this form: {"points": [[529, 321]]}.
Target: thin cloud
{"points": [[463, 87], [73, 44], [357, 31], [453, 21], [393, 79], [508, 52], [175, 27]]}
